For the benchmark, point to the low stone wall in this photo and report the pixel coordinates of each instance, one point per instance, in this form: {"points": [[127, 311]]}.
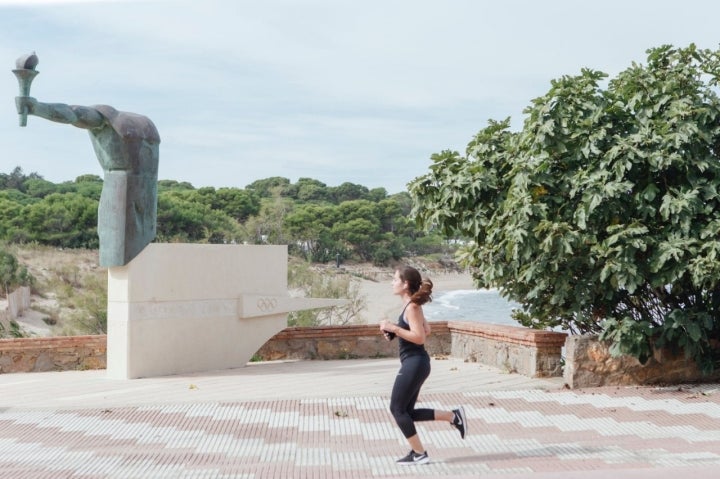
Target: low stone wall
{"points": [[530, 352], [525, 351], [60, 353], [590, 364], [533, 353], [344, 342]]}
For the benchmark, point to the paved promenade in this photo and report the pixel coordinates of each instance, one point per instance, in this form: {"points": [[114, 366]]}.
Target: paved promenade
{"points": [[330, 419]]}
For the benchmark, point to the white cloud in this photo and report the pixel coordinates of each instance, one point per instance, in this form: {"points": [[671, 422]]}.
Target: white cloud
{"points": [[33, 3], [302, 87]]}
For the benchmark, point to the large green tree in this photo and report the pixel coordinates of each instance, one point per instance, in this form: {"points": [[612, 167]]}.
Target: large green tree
{"points": [[309, 227], [184, 217], [268, 187], [66, 220], [603, 213]]}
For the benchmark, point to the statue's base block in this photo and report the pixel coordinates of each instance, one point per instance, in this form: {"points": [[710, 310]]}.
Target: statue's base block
{"points": [[182, 308]]}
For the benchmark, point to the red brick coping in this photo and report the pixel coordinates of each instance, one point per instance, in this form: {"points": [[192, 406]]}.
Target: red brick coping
{"points": [[509, 334]]}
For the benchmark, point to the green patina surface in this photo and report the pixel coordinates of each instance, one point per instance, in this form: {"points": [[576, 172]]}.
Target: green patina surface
{"points": [[127, 146]]}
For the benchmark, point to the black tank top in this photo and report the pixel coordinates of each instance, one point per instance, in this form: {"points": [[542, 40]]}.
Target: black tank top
{"points": [[408, 348]]}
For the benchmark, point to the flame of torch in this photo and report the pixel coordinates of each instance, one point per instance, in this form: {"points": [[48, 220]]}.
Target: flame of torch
{"points": [[25, 73]]}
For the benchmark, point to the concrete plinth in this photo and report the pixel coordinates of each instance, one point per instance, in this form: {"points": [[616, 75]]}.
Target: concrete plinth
{"points": [[182, 308]]}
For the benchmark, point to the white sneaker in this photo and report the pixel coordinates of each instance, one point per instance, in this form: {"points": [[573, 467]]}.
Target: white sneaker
{"points": [[459, 422], [414, 458]]}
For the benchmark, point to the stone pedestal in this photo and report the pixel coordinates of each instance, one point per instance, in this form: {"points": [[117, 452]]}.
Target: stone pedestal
{"points": [[181, 308]]}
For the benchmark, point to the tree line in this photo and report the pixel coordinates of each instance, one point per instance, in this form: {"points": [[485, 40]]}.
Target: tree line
{"points": [[320, 223]]}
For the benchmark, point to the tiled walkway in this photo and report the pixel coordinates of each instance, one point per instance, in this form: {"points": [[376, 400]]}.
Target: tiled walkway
{"points": [[233, 424]]}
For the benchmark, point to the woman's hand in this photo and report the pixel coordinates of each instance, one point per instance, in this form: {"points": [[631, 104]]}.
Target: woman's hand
{"points": [[388, 329]]}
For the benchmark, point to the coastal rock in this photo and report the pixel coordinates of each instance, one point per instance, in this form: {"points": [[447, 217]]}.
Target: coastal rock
{"points": [[590, 364]]}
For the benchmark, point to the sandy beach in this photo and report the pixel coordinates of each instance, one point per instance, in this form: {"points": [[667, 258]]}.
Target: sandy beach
{"points": [[382, 304]]}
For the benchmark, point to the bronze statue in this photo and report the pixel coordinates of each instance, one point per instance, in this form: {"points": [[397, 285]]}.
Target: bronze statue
{"points": [[127, 146]]}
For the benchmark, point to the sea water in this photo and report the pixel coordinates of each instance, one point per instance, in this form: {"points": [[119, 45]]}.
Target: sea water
{"points": [[482, 305]]}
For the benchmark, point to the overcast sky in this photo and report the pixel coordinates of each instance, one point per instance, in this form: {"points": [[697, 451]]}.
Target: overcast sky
{"points": [[358, 91]]}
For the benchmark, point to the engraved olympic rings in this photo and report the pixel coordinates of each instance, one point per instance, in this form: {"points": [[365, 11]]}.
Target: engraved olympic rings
{"points": [[266, 304]]}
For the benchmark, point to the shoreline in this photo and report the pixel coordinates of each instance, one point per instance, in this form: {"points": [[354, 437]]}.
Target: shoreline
{"points": [[380, 303]]}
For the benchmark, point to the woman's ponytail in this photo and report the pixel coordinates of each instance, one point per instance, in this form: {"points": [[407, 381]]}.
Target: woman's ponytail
{"points": [[424, 293], [420, 289]]}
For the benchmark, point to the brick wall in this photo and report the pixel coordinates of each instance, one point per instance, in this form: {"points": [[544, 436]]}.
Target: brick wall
{"points": [[529, 352], [344, 342], [59, 353]]}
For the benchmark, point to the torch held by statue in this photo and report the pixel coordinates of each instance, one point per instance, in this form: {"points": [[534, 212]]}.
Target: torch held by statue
{"points": [[25, 74]]}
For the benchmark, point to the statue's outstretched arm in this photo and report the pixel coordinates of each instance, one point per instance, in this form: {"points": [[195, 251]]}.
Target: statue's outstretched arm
{"points": [[79, 116]]}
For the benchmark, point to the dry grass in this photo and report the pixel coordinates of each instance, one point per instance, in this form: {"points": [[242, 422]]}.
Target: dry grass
{"points": [[46, 263], [61, 276]]}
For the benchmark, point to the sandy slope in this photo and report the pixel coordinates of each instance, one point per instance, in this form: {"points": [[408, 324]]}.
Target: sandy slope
{"points": [[47, 264]]}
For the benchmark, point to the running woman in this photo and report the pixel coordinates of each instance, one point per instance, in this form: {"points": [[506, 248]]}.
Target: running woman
{"points": [[411, 330]]}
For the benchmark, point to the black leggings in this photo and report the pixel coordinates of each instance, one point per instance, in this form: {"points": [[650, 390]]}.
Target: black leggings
{"points": [[414, 370]]}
